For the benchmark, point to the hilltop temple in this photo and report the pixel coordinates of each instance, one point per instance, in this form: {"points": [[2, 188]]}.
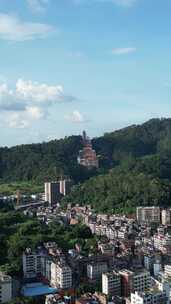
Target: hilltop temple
{"points": [[87, 156]]}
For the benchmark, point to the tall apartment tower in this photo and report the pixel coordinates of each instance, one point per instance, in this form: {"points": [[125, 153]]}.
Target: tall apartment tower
{"points": [[65, 186], [52, 192], [61, 275], [134, 281], [126, 282], [87, 156]]}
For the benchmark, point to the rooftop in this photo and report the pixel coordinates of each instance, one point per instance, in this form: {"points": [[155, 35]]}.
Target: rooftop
{"points": [[4, 277], [37, 289]]}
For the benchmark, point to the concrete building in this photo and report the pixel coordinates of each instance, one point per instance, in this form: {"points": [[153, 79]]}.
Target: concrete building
{"points": [[141, 280], [150, 297], [52, 192], [134, 281], [148, 215], [166, 217], [31, 264], [148, 262], [61, 275], [65, 186], [164, 286], [157, 267], [111, 283], [95, 270], [163, 242], [167, 271], [126, 282], [5, 288]]}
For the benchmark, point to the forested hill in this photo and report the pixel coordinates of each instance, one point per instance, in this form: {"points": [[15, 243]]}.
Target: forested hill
{"points": [[141, 173], [47, 160]]}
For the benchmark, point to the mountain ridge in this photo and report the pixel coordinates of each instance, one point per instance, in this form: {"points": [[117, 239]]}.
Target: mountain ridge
{"points": [[49, 159]]}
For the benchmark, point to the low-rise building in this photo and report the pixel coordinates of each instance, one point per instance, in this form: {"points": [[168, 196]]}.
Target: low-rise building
{"points": [[150, 297], [148, 215]]}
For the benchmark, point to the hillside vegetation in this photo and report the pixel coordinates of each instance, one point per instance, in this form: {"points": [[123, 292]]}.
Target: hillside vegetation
{"points": [[135, 166], [141, 160]]}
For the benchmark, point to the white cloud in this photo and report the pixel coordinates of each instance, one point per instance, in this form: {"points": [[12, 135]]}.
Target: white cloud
{"points": [[123, 51], [14, 29], [16, 120], [35, 112], [37, 6], [29, 101], [40, 93], [76, 117]]}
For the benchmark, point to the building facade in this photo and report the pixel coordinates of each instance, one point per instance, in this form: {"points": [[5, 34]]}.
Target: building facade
{"points": [[151, 297], [95, 270], [5, 288], [61, 275], [148, 215], [111, 283], [52, 192]]}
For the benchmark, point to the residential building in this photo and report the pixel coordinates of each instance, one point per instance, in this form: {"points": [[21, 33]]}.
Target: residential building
{"points": [[134, 281], [111, 283], [126, 282], [167, 271], [31, 264], [52, 192], [95, 270], [5, 288], [166, 217], [65, 186], [141, 280], [162, 242], [148, 215], [61, 275], [164, 286], [150, 297], [149, 261]]}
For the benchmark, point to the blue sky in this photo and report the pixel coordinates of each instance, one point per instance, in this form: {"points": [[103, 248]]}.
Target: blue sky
{"points": [[69, 65]]}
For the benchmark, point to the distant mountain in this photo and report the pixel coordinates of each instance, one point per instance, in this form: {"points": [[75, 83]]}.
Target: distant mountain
{"points": [[48, 160]]}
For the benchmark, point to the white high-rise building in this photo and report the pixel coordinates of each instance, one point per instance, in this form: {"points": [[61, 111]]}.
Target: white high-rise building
{"points": [[111, 283], [5, 288], [61, 275]]}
